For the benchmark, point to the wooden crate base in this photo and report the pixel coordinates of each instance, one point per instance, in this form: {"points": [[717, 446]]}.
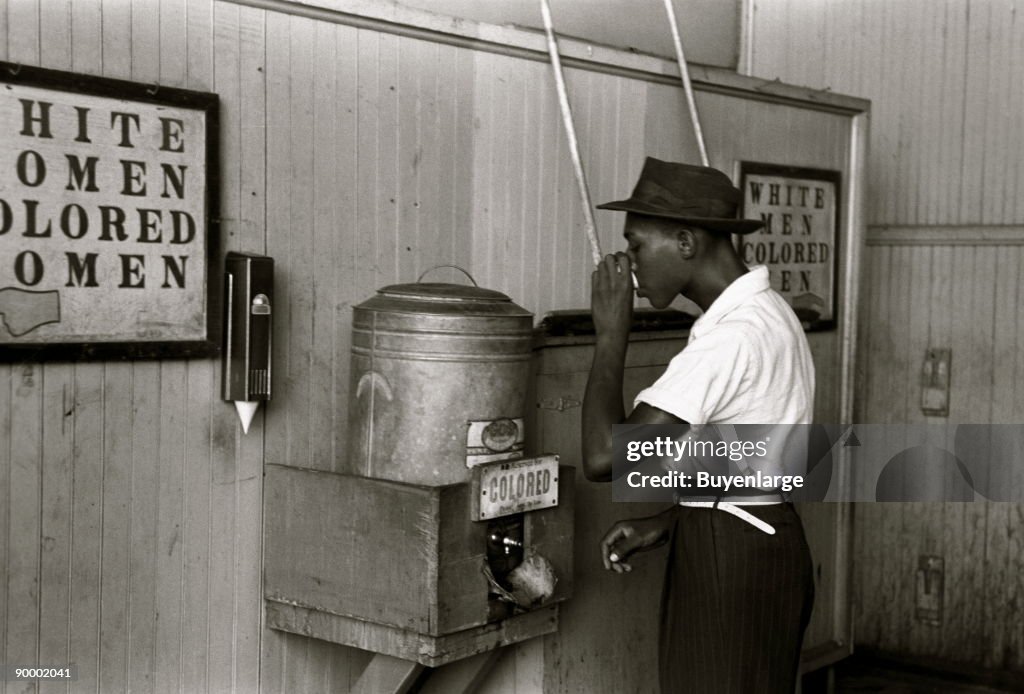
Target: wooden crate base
{"points": [[432, 651]]}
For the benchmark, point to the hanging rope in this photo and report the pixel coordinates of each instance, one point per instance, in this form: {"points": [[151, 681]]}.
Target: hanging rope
{"points": [[570, 130], [684, 72]]}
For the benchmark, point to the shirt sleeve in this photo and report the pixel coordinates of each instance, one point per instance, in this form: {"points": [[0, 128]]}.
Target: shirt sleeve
{"points": [[703, 379]]}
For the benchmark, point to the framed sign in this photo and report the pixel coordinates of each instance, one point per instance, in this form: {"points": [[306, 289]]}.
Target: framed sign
{"points": [[107, 209], [800, 209]]}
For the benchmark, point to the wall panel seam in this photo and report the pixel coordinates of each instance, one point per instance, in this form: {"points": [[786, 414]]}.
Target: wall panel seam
{"points": [[946, 235]]}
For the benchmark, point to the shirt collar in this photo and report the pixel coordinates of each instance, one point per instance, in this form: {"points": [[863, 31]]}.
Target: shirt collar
{"points": [[739, 292]]}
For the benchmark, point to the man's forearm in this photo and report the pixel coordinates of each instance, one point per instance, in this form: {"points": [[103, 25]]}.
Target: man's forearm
{"points": [[602, 407]]}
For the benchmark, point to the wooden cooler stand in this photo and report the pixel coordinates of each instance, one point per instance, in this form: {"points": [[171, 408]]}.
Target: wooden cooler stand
{"points": [[397, 569]]}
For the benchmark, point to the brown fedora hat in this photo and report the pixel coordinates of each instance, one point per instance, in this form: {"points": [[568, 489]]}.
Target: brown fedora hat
{"points": [[698, 195]]}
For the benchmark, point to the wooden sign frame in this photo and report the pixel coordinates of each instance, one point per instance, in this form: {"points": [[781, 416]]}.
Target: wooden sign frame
{"points": [[108, 223], [800, 241]]}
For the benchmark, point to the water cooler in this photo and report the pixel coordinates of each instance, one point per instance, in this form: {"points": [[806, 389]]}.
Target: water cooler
{"points": [[442, 538]]}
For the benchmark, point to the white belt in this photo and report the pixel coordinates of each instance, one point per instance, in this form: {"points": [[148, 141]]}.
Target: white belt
{"points": [[737, 511]]}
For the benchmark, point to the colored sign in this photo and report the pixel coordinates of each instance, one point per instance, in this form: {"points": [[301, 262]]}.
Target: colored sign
{"points": [[504, 488]]}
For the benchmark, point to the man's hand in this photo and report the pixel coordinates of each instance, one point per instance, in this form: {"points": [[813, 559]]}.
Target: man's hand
{"points": [[611, 297], [634, 535]]}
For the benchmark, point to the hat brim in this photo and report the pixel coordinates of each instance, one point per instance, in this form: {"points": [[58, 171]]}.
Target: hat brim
{"points": [[730, 225]]}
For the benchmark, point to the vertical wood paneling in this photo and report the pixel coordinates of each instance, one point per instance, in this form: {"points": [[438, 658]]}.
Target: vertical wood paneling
{"points": [[975, 105], [24, 514], [954, 541], [408, 152], [172, 43], [23, 32], [898, 310], [298, 198], [387, 71], [940, 325], [865, 516], [1000, 611], [1013, 654], [87, 518], [915, 515], [926, 208], [253, 237], [55, 33], [510, 246], [87, 41], [55, 537], [957, 528], [56, 523], [4, 51], [144, 437], [170, 505], [115, 538], [953, 82], [970, 299], [484, 212], [945, 150], [345, 231], [196, 532], [117, 31], [420, 94], [199, 44], [980, 396], [278, 218], [1013, 207], [463, 173], [548, 134], [132, 523], [325, 261], [144, 498], [170, 604], [527, 239], [227, 670], [366, 157], [23, 501], [945, 142], [922, 521]]}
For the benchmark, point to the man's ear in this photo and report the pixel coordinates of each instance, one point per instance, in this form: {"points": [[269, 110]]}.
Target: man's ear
{"points": [[687, 242]]}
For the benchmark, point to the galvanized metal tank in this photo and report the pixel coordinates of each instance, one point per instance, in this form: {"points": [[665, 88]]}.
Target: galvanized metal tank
{"points": [[438, 382]]}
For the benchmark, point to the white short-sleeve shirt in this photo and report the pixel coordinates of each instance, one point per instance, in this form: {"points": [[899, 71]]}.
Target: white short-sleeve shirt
{"points": [[747, 361]]}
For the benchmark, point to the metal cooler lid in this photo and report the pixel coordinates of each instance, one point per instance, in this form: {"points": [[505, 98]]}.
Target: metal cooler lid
{"points": [[443, 298]]}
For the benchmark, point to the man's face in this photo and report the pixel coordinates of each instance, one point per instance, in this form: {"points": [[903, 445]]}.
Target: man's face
{"points": [[656, 258]]}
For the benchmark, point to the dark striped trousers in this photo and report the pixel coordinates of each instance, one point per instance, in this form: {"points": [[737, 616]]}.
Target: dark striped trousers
{"points": [[735, 604]]}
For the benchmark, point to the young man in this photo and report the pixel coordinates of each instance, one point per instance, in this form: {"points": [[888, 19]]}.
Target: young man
{"points": [[739, 586]]}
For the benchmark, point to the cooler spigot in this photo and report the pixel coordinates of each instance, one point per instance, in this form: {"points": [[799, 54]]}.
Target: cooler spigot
{"points": [[507, 542]]}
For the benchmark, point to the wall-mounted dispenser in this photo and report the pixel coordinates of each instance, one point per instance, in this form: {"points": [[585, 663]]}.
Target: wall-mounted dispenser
{"points": [[248, 317]]}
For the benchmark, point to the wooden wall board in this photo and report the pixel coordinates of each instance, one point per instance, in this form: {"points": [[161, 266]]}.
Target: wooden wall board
{"points": [[56, 526]]}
